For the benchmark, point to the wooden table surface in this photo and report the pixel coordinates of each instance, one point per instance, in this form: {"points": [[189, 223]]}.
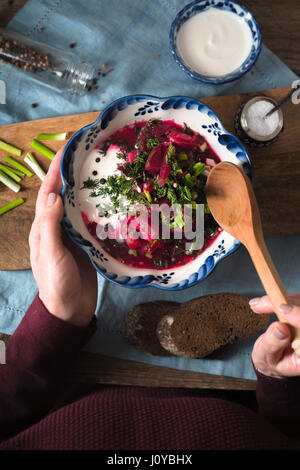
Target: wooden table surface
{"points": [[279, 22]]}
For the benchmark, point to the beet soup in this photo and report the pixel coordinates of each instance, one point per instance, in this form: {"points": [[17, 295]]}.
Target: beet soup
{"points": [[155, 163]]}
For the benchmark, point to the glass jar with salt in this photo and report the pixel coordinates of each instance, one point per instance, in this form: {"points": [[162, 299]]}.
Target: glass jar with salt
{"points": [[254, 126]]}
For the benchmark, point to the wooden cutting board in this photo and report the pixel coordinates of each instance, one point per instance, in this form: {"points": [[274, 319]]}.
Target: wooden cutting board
{"points": [[277, 173]]}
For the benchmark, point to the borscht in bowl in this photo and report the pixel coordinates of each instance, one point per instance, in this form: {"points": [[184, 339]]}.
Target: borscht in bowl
{"points": [[134, 191]]}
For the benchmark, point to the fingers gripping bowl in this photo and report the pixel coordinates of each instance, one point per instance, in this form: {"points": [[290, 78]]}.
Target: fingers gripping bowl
{"points": [[88, 155]]}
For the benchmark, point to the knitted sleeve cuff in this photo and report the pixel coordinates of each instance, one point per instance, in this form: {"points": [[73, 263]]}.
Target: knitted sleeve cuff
{"points": [[278, 397], [42, 338]]}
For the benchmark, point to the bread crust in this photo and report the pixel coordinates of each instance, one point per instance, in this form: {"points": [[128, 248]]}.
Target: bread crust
{"points": [[193, 329], [202, 325], [140, 326]]}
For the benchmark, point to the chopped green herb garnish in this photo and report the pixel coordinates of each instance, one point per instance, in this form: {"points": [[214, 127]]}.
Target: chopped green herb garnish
{"points": [[151, 143], [179, 219], [9, 171], [189, 179], [199, 168], [167, 168], [120, 155], [148, 196], [35, 144], [17, 172], [18, 165], [188, 192], [10, 148], [9, 183], [34, 165], [57, 136], [206, 209], [90, 184], [188, 130], [116, 186], [11, 205]]}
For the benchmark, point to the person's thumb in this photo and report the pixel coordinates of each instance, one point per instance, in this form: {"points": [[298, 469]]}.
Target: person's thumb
{"points": [[50, 225], [269, 348]]}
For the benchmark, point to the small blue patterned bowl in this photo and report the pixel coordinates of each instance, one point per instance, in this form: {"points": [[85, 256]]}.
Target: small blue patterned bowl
{"points": [[232, 6], [128, 110]]}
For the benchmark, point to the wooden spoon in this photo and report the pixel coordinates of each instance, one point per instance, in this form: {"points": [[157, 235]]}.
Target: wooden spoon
{"points": [[232, 202]]}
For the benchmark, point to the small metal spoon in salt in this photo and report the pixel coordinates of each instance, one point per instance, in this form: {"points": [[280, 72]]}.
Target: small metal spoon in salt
{"points": [[283, 101], [253, 122]]}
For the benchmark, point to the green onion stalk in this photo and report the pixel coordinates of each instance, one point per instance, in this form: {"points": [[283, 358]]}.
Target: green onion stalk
{"points": [[11, 205], [9, 183]]}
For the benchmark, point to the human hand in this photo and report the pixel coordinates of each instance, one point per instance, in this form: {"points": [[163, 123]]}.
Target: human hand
{"points": [[65, 277], [272, 353]]}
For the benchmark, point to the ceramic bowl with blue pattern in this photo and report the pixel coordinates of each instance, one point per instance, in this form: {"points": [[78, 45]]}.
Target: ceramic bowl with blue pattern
{"points": [[199, 6], [128, 110]]}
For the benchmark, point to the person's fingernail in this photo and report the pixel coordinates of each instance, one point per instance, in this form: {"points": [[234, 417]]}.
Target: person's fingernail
{"points": [[279, 334], [51, 199], [284, 308], [254, 301]]}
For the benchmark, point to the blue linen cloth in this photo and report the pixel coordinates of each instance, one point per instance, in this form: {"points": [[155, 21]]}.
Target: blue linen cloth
{"points": [[131, 36]]}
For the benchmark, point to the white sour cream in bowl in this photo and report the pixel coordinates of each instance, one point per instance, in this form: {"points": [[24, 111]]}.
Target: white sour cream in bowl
{"points": [[214, 43]]}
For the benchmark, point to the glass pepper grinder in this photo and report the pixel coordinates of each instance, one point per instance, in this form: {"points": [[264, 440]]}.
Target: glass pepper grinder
{"points": [[52, 66], [253, 124]]}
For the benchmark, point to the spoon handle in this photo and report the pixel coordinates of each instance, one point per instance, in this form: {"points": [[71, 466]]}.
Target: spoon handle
{"points": [[284, 100], [272, 283]]}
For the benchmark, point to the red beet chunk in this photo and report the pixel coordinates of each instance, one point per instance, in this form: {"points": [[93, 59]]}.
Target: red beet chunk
{"points": [[164, 169], [154, 160], [131, 156], [183, 140]]}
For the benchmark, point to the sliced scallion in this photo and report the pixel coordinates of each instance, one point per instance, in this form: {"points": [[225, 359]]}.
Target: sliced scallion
{"points": [[9, 183], [35, 144], [187, 192], [17, 172], [206, 209], [19, 166], [11, 205], [59, 136], [179, 219], [10, 173], [31, 161], [189, 179], [199, 168], [148, 196], [10, 148], [182, 156]]}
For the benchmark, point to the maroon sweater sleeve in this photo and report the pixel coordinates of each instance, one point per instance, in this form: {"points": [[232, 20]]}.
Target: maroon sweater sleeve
{"points": [[278, 402], [38, 358]]}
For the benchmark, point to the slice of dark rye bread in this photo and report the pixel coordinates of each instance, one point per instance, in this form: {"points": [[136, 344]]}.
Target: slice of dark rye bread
{"points": [[140, 326], [201, 326]]}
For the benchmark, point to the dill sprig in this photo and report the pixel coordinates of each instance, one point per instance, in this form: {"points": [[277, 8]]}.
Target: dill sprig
{"points": [[115, 187], [185, 190]]}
